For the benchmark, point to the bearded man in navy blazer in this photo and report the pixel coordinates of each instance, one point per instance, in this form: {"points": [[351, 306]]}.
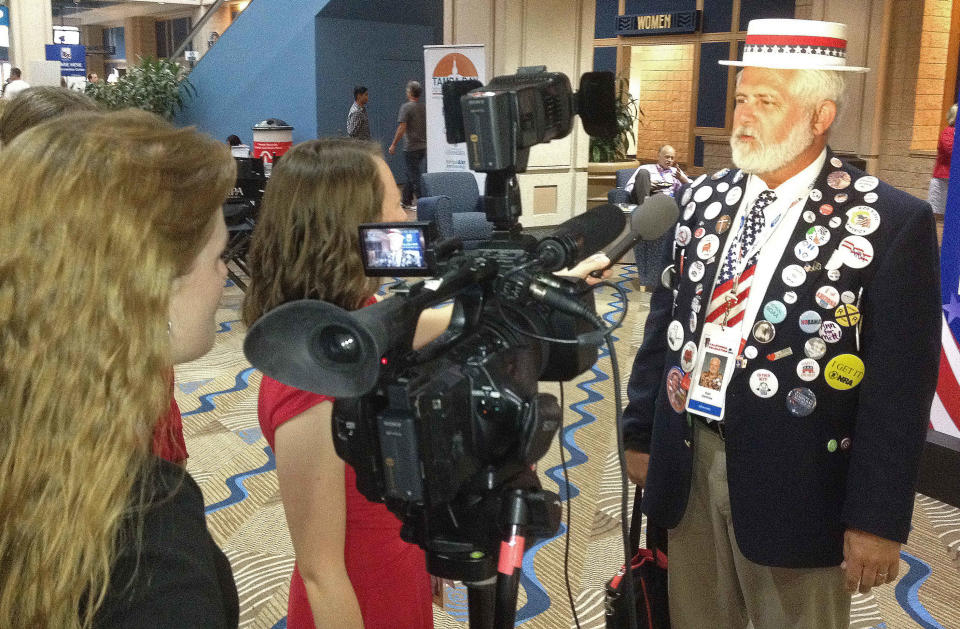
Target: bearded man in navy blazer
{"points": [[815, 288]]}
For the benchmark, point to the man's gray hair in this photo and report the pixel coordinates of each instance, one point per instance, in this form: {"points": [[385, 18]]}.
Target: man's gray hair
{"points": [[414, 88], [811, 87]]}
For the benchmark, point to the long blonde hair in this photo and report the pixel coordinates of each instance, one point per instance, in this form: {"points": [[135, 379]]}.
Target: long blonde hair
{"points": [[305, 245], [99, 213]]}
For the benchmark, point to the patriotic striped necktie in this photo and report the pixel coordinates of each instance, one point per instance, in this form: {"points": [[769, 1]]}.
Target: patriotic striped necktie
{"points": [[731, 293]]}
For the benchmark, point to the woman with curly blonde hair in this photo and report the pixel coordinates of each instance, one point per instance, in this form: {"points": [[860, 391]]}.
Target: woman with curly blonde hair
{"points": [[109, 274]]}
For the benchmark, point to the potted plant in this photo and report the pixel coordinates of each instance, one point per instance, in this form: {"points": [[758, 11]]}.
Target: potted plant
{"points": [[154, 85], [627, 111]]}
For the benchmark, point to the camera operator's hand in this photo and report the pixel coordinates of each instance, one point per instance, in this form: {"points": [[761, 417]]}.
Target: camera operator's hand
{"points": [[637, 464], [587, 266]]}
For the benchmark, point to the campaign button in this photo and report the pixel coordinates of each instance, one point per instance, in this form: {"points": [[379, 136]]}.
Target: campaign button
{"points": [[689, 210], [844, 371], [835, 222], [698, 289], [693, 322], [835, 162], [832, 445], [830, 331], [688, 356], [733, 195], [848, 297], [810, 321], [708, 247], [866, 184], [847, 315], [870, 197], [719, 174], [838, 180], [686, 196], [702, 194], [840, 198], [790, 297], [676, 391], [775, 311], [862, 220], [815, 348], [833, 275], [683, 235], [698, 180], [809, 216], [699, 232], [696, 271], [816, 195], [722, 187], [808, 369], [801, 401], [812, 266], [845, 444], [793, 275], [781, 353], [818, 235], [828, 297], [723, 224], [826, 209], [738, 176], [763, 383], [806, 251], [750, 352], [857, 251], [712, 211], [763, 331], [675, 335], [695, 303]]}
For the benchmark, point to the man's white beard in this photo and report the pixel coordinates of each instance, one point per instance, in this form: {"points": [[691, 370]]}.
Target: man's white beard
{"points": [[766, 158]]}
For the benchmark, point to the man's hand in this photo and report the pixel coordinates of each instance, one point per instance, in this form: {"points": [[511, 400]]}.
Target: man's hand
{"points": [[393, 149], [637, 464], [868, 560]]}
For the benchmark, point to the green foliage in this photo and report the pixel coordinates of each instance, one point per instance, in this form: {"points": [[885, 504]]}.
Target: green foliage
{"points": [[154, 85], [628, 110]]}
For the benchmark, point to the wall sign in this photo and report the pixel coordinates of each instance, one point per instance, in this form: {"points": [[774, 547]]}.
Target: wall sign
{"points": [[658, 23], [72, 58]]}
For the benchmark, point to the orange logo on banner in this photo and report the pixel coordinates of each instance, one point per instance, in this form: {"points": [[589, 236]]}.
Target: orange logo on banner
{"points": [[453, 67]]}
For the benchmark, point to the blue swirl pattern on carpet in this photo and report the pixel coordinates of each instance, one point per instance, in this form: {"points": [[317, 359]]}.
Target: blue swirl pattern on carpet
{"points": [[226, 326], [538, 601], [206, 405], [235, 483], [908, 590]]}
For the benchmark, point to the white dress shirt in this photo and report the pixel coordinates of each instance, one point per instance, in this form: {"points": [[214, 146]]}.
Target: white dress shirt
{"points": [[791, 199]]}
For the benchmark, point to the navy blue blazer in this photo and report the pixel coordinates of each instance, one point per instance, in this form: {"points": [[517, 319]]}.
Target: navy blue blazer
{"points": [[799, 476]]}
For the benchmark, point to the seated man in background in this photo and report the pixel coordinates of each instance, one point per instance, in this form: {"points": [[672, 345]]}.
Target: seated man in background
{"points": [[665, 175]]}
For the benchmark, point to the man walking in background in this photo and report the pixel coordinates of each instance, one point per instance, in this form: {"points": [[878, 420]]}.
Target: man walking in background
{"points": [[412, 126], [14, 85], [358, 124]]}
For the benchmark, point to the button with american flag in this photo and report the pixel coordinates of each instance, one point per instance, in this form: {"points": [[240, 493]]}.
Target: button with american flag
{"points": [[862, 220]]}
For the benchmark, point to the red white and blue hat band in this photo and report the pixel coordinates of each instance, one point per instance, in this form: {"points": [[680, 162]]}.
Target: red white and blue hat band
{"points": [[796, 44]]}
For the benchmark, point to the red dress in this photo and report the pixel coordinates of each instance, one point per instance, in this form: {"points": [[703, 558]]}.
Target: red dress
{"points": [[168, 440], [389, 576]]}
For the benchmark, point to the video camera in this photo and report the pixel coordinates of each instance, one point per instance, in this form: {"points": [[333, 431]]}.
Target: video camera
{"points": [[447, 435]]}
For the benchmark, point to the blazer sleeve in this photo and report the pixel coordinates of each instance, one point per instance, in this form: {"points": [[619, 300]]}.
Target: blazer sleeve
{"points": [[902, 316], [647, 373]]}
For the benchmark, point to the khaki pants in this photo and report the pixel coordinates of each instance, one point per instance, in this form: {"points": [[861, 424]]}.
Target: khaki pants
{"points": [[713, 586]]}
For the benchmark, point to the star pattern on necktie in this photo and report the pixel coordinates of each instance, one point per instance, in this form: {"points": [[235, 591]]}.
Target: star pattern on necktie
{"points": [[746, 238]]}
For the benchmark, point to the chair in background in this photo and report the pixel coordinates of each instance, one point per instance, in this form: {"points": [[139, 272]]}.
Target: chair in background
{"points": [[240, 213], [452, 200], [641, 187]]}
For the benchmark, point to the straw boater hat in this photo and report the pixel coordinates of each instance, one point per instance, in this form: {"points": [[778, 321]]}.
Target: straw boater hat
{"points": [[796, 45]]}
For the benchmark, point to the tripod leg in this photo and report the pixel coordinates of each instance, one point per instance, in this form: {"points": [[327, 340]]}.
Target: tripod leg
{"points": [[480, 603], [508, 578]]}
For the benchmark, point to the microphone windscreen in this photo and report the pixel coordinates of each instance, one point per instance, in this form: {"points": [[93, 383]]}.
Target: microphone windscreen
{"points": [[452, 113], [591, 231], [657, 214], [596, 104]]}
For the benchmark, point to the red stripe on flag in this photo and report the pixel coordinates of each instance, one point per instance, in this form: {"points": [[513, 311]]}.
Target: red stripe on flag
{"points": [[795, 40], [949, 389]]}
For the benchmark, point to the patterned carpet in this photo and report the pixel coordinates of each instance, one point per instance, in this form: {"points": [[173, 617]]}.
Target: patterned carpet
{"points": [[233, 465]]}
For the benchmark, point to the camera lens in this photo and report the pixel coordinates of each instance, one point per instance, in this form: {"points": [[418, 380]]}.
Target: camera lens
{"points": [[339, 344]]}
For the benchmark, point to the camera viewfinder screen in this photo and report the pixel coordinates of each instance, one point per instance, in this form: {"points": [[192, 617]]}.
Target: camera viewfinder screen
{"points": [[396, 250]]}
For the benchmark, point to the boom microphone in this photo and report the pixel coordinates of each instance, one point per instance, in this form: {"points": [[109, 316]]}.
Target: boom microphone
{"points": [[595, 102], [580, 237], [648, 221]]}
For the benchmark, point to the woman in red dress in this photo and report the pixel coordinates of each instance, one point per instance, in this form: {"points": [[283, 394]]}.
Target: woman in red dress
{"points": [[352, 569]]}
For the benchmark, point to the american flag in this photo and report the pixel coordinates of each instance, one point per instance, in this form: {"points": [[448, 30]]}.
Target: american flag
{"points": [[945, 414]]}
